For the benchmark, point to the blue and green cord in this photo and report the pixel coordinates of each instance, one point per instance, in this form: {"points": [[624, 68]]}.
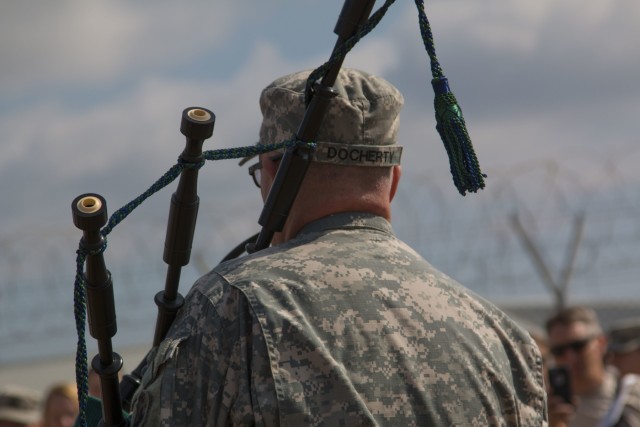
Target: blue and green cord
{"points": [[450, 123], [79, 288]]}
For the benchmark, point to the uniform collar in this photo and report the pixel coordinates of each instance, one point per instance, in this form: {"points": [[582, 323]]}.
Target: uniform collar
{"points": [[348, 220]]}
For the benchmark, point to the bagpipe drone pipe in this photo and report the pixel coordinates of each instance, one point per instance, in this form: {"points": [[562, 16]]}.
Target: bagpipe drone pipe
{"points": [[93, 290]]}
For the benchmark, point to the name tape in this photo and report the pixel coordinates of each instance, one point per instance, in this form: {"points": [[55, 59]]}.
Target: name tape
{"points": [[358, 155]]}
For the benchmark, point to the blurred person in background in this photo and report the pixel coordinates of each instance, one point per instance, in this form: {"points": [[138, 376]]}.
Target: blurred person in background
{"points": [[624, 346], [19, 407], [95, 387], [577, 342], [61, 407], [624, 354], [94, 384]]}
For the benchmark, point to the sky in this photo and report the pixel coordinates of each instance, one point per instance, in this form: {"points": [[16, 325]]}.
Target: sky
{"points": [[91, 95]]}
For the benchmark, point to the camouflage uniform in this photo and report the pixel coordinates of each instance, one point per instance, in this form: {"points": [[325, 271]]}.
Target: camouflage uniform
{"points": [[342, 325]]}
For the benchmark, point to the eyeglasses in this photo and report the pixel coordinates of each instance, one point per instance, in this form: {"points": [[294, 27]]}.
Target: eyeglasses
{"points": [[254, 170], [576, 346]]}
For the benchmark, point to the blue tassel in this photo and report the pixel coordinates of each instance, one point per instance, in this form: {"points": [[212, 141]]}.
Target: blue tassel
{"points": [[451, 126]]}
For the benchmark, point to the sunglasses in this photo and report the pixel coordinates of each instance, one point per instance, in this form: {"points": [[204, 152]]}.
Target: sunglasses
{"points": [[575, 346]]}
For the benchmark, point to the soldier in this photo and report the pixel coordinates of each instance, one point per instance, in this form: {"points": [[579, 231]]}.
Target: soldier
{"points": [[339, 322], [577, 341]]}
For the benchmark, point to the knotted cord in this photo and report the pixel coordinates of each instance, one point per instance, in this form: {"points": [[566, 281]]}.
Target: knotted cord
{"points": [[450, 123], [79, 288]]}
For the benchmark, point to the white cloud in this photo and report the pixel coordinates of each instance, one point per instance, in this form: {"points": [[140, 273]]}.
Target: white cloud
{"points": [[81, 43], [138, 129], [376, 55], [521, 27], [63, 41]]}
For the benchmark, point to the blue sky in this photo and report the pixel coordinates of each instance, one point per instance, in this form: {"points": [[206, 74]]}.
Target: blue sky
{"points": [[91, 95]]}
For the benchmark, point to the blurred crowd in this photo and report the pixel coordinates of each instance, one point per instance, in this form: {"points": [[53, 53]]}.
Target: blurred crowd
{"points": [[59, 407], [592, 378], [21, 407]]}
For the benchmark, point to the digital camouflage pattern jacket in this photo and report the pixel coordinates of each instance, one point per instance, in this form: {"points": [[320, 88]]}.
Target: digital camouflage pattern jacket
{"points": [[344, 325]]}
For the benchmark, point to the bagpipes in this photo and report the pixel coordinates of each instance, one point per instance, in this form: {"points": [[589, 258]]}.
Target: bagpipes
{"points": [[93, 290]]}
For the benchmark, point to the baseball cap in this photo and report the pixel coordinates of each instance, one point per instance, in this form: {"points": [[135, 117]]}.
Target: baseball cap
{"points": [[360, 126], [19, 405], [625, 336]]}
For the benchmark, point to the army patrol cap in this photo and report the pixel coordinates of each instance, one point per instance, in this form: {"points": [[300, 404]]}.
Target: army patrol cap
{"points": [[625, 336], [360, 126]]}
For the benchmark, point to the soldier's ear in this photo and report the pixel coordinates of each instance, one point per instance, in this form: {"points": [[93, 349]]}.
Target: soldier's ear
{"points": [[396, 173]]}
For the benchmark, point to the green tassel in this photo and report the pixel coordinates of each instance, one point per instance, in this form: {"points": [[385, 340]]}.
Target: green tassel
{"points": [[451, 126]]}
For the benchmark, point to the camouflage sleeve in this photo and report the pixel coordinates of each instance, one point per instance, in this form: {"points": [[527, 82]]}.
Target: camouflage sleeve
{"points": [[212, 368]]}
